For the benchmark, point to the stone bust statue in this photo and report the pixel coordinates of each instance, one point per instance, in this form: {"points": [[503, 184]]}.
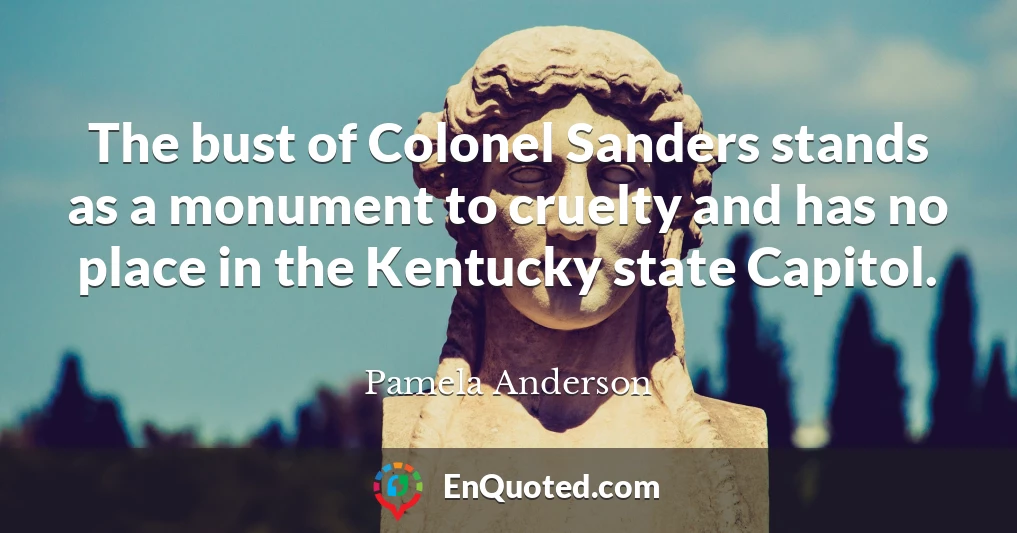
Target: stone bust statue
{"points": [[568, 75]]}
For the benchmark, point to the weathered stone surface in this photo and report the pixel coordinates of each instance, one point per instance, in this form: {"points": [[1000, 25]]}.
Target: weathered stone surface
{"points": [[564, 76], [740, 426]]}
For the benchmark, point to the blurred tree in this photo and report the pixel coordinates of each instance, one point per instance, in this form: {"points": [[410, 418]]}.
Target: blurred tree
{"points": [[108, 429], [271, 437], [74, 419], [351, 419], [953, 357], [868, 400], [22, 435], [11, 438], [997, 413], [319, 422], [754, 353], [702, 384], [158, 438], [363, 419]]}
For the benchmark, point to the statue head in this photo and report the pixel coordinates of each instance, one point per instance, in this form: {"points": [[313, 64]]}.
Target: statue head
{"points": [[566, 75]]}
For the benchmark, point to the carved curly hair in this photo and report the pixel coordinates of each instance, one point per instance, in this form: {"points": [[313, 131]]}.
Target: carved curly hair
{"points": [[524, 70]]}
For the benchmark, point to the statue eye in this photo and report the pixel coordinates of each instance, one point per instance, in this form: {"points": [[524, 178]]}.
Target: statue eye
{"points": [[619, 174], [528, 174]]}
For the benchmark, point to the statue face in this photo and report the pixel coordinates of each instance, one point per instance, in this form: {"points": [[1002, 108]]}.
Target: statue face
{"points": [[561, 307]]}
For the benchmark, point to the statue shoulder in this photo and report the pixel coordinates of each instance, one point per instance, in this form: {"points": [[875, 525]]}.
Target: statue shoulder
{"points": [[741, 426], [399, 416]]}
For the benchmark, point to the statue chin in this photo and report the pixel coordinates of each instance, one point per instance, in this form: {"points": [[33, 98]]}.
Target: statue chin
{"points": [[562, 308]]}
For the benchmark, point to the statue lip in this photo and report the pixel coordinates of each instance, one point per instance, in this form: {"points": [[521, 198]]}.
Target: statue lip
{"points": [[571, 270]]}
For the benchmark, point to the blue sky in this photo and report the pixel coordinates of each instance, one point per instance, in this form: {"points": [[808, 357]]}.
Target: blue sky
{"points": [[227, 360]]}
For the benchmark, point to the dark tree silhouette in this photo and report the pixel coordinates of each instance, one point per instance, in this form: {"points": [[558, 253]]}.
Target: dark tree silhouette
{"points": [[271, 437], [14, 437], [107, 429], [868, 400], [997, 421], [363, 420], [351, 419], [953, 357], [74, 419], [702, 384], [319, 422], [754, 353], [159, 438]]}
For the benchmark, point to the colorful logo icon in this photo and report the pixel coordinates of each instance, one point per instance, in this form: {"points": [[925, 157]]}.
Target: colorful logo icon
{"points": [[395, 483]]}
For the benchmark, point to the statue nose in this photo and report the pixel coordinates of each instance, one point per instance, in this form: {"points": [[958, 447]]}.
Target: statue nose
{"points": [[568, 217], [571, 232]]}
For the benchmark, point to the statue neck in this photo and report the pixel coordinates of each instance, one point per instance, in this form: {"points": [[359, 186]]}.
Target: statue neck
{"points": [[519, 348]]}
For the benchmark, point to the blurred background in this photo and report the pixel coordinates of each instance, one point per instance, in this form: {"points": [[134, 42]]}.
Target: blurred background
{"points": [[280, 368]]}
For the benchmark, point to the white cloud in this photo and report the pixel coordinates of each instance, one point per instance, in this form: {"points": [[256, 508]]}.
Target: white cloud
{"points": [[908, 76], [1004, 69], [41, 191], [834, 68], [997, 28], [751, 58], [31, 109], [999, 23]]}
